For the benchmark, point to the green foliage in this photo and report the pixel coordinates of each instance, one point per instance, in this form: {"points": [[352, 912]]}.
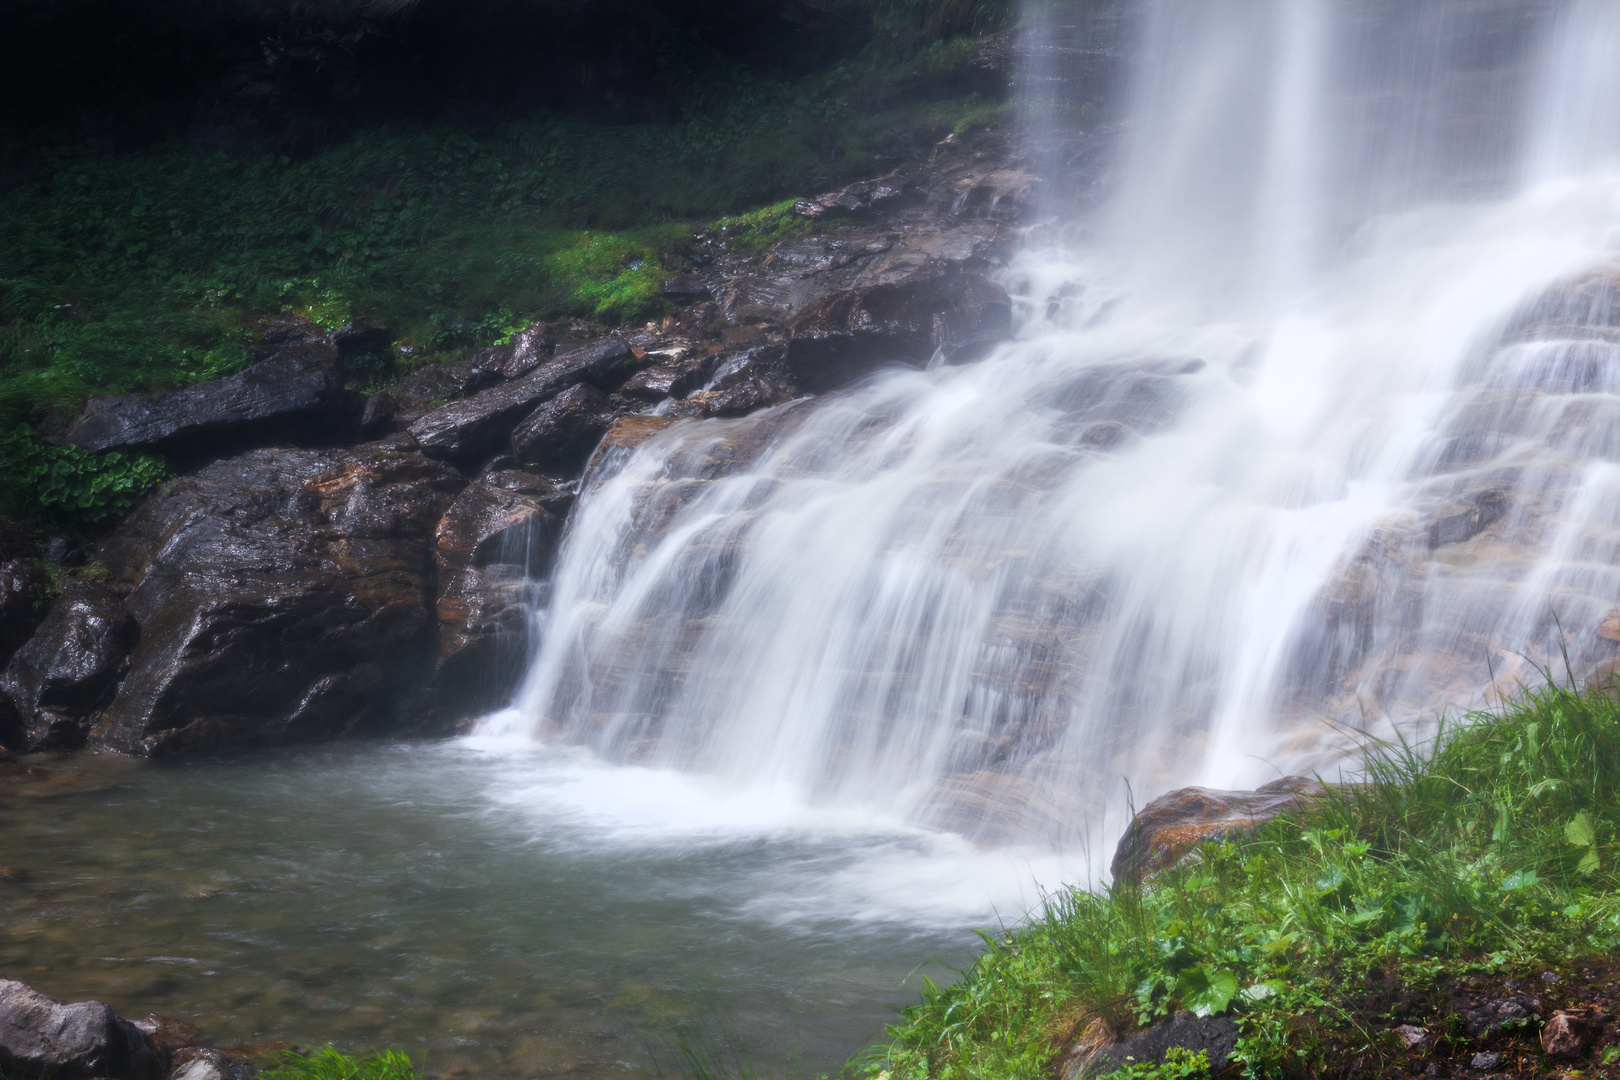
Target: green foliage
{"points": [[753, 233], [1179, 1064], [65, 488], [332, 1064], [1489, 846]]}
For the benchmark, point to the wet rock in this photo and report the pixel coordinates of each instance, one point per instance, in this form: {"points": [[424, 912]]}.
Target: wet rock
{"points": [[1171, 826], [1485, 1061], [662, 381], [526, 351], [1565, 1035], [1587, 307], [1464, 519], [282, 595], [24, 585], [685, 289], [489, 545], [745, 383], [1215, 1035], [294, 396], [377, 416], [562, 433], [466, 432], [362, 338], [70, 667], [846, 335], [1507, 1013], [1436, 1070], [862, 197], [425, 387], [40, 1036], [694, 322]]}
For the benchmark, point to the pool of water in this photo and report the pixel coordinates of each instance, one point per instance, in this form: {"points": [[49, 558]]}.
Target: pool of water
{"points": [[495, 909]]}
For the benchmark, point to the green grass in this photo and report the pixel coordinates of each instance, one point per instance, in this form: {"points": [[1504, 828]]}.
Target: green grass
{"points": [[1491, 847], [332, 1064]]}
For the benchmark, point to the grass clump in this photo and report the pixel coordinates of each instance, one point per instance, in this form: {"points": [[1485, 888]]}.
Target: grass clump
{"points": [[332, 1064], [1491, 847]]}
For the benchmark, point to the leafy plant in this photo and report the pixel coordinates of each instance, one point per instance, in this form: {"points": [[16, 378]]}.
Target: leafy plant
{"points": [[69, 488], [1486, 846]]}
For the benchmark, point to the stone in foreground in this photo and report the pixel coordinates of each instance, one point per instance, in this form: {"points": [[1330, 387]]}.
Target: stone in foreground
{"points": [[1171, 826], [40, 1036], [282, 596]]}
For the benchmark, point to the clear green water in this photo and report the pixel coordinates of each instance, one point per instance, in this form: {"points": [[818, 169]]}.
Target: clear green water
{"points": [[494, 910]]}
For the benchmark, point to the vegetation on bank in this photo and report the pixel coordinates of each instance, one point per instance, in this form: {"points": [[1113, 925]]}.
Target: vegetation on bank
{"points": [[1487, 852], [145, 271]]}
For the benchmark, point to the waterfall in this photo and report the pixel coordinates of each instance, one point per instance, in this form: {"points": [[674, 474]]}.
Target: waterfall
{"points": [[1317, 428]]}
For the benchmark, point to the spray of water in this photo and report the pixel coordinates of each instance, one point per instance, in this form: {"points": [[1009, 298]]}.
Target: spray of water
{"points": [[1320, 425]]}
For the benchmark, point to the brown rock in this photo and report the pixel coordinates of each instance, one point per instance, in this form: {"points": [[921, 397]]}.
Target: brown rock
{"points": [[489, 545], [70, 667], [850, 333], [562, 433], [1171, 826], [1565, 1035], [282, 595]]}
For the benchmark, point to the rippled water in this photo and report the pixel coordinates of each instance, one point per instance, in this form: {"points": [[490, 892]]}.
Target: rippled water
{"points": [[494, 911]]}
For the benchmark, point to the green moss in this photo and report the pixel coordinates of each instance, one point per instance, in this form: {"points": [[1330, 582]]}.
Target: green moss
{"points": [[1493, 847], [752, 234]]}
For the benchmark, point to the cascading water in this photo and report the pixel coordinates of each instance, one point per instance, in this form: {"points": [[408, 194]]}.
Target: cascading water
{"points": [[1316, 423]]}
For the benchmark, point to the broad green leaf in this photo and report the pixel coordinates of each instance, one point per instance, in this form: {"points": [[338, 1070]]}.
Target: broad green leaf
{"points": [[1589, 864], [1521, 880], [1206, 992], [1580, 831]]}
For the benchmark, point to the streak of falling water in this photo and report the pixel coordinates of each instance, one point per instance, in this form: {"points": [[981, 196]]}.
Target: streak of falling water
{"points": [[1323, 421]]}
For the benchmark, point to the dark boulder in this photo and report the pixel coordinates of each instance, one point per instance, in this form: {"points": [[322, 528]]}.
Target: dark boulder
{"points": [[23, 588], [282, 595], [841, 337], [467, 432], [377, 417], [70, 668], [662, 381], [489, 545], [745, 383], [296, 396], [363, 338], [525, 352], [42, 1037], [563, 432], [1502, 1016], [685, 289], [1173, 825]]}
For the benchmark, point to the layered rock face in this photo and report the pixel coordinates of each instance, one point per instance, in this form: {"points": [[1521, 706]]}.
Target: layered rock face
{"points": [[296, 583]]}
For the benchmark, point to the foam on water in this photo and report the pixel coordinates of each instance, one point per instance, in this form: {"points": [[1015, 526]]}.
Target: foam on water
{"points": [[1282, 447]]}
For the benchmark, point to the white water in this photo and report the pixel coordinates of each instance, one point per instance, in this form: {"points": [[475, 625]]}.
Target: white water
{"points": [[1212, 503]]}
